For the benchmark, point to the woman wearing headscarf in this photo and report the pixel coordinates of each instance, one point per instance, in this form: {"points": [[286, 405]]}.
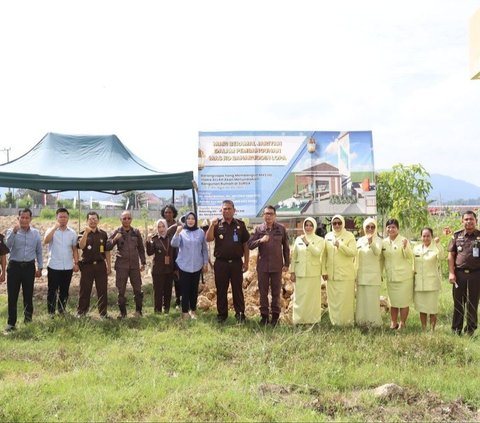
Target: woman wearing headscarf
{"points": [[306, 272], [428, 277], [339, 272], [398, 262], [369, 275], [159, 245], [192, 258]]}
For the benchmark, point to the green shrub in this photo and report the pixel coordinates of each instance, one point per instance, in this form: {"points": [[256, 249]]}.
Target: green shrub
{"points": [[47, 213]]}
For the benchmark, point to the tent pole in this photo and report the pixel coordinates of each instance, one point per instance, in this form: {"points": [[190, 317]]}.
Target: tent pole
{"points": [[79, 210], [194, 187]]}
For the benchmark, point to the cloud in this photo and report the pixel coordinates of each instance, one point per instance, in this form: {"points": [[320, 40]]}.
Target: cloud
{"points": [[156, 75], [332, 148]]}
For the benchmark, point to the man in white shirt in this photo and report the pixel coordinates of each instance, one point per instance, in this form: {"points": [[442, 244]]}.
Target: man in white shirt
{"points": [[62, 261]]}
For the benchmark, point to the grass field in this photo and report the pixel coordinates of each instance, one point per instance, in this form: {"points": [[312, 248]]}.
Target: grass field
{"points": [[159, 368]]}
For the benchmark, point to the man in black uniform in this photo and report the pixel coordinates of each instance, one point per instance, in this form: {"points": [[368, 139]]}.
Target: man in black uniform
{"points": [[464, 273], [95, 265], [231, 238]]}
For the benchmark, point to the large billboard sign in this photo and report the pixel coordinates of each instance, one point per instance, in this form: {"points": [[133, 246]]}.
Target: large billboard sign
{"points": [[301, 173]]}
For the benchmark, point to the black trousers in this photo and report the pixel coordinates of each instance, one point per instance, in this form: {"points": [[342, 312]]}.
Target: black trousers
{"points": [[58, 286], [178, 290], [466, 297], [89, 273], [189, 283], [226, 272], [20, 275], [162, 291]]}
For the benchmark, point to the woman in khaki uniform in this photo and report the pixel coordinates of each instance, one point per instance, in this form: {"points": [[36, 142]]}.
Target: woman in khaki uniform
{"points": [[339, 272], [427, 258], [164, 256], [306, 272], [398, 260], [369, 275]]}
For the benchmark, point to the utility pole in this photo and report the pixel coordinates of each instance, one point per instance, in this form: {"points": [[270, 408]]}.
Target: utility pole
{"points": [[6, 150]]}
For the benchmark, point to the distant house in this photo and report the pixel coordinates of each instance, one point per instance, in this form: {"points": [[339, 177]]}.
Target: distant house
{"points": [[183, 200], [152, 202], [107, 205]]}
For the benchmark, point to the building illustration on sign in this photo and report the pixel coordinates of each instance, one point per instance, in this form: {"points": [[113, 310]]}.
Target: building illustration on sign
{"points": [[300, 173]]}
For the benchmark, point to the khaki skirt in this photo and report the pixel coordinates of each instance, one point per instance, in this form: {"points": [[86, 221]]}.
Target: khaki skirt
{"points": [[307, 300], [367, 311], [400, 293], [426, 301], [341, 302]]}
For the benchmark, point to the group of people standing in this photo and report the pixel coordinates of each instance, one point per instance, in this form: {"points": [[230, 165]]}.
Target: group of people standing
{"points": [[413, 274], [352, 269]]}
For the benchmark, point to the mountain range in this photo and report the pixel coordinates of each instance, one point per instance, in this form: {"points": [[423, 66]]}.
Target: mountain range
{"points": [[447, 189]]}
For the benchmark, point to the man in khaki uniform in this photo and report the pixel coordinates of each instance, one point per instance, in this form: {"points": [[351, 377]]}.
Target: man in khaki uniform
{"points": [[231, 247], [464, 273], [130, 261], [273, 258], [95, 266]]}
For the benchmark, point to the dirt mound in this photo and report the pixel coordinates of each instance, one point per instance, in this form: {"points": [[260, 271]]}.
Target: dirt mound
{"points": [[406, 404]]}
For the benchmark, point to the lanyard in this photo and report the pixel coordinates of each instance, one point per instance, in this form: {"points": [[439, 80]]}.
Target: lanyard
{"points": [[167, 247]]}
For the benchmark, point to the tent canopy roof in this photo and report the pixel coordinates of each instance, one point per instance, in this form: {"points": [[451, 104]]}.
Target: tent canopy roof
{"points": [[86, 163]]}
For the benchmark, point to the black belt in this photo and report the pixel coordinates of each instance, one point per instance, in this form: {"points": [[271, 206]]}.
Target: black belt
{"points": [[466, 270], [93, 262], [228, 260], [23, 263]]}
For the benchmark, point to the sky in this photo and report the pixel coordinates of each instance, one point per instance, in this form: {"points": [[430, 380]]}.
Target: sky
{"points": [[155, 73]]}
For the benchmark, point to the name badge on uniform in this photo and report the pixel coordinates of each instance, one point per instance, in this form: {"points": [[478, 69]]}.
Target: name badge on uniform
{"points": [[235, 237], [476, 252], [167, 260]]}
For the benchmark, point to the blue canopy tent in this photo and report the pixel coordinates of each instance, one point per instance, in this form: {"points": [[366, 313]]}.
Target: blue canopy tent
{"points": [[88, 163]]}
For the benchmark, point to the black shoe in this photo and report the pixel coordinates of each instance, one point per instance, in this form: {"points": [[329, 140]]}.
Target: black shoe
{"points": [[221, 319], [240, 317], [275, 318], [9, 329], [264, 320]]}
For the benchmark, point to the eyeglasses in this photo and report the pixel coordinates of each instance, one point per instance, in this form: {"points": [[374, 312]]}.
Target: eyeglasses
{"points": [[370, 227], [126, 218], [336, 223]]}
